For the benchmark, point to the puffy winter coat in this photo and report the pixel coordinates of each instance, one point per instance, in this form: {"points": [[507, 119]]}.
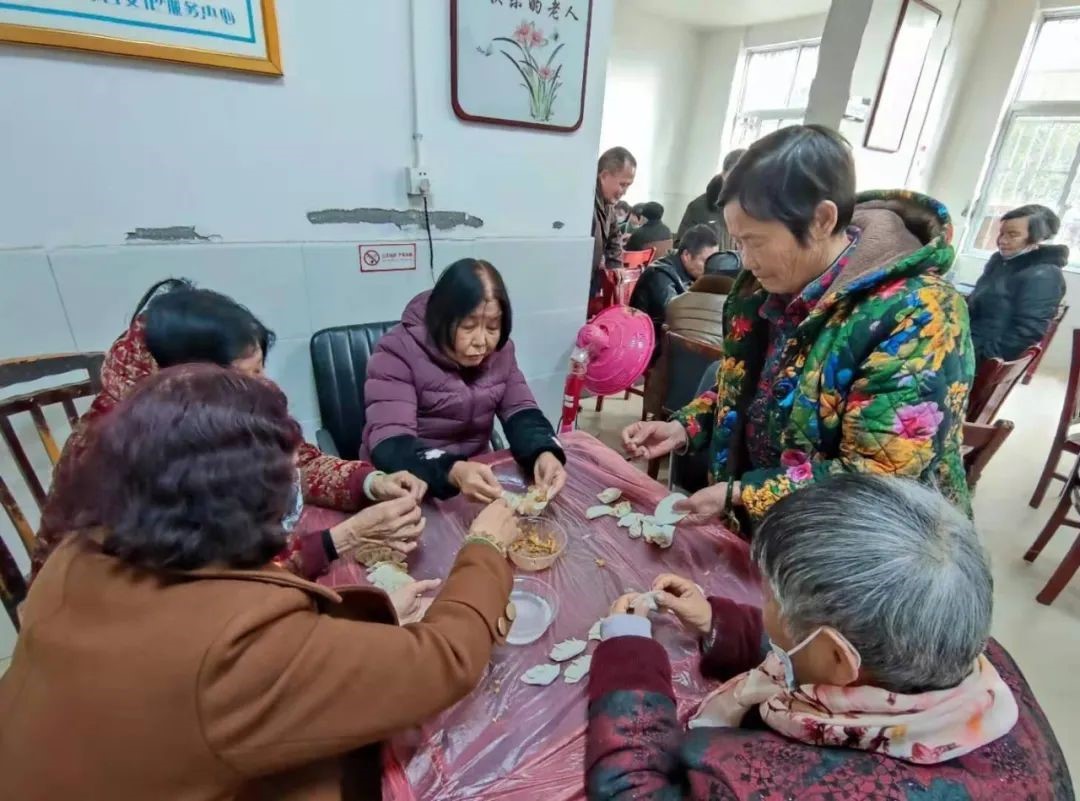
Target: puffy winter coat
{"points": [[424, 412], [1015, 300]]}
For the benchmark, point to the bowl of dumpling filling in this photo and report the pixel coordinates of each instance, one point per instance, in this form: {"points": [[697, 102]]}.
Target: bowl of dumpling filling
{"points": [[540, 543]]}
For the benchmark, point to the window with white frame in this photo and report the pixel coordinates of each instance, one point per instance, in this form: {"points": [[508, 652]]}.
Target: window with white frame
{"points": [[1037, 155], [775, 89]]}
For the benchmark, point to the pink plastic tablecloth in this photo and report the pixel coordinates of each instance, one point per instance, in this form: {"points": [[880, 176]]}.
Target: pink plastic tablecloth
{"points": [[508, 740]]}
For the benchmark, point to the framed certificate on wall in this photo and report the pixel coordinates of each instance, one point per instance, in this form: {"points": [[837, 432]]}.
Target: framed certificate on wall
{"points": [[228, 34], [520, 62]]}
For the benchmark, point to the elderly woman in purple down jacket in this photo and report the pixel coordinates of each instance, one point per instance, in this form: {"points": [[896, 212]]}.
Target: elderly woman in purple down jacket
{"points": [[436, 382]]}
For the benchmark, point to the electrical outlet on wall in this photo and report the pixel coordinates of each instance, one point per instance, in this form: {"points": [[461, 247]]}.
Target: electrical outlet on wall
{"points": [[417, 182]]}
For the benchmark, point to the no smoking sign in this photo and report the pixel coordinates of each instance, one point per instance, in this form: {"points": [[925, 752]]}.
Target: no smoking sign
{"points": [[380, 257]]}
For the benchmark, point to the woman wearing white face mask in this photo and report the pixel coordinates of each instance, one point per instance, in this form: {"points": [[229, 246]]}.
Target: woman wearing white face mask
{"points": [[877, 611], [1021, 287]]}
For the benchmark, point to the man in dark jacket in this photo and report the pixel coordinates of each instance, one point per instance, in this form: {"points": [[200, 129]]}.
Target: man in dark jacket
{"points": [[672, 275], [614, 175], [705, 208], [1021, 288]]}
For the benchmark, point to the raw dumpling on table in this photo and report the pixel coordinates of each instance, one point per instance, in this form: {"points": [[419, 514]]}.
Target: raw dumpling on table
{"points": [[541, 675], [567, 649], [594, 512], [609, 495], [577, 669]]}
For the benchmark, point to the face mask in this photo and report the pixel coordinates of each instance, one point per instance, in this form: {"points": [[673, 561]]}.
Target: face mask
{"points": [[296, 506], [789, 668]]}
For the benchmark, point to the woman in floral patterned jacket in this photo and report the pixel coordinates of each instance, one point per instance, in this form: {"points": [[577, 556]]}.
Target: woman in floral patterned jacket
{"points": [[186, 325], [846, 350]]}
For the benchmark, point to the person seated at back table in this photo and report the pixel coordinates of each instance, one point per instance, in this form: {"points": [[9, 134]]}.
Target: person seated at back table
{"points": [[176, 323], [1020, 288], [878, 682], [671, 276], [706, 209], [652, 233], [437, 381], [163, 656]]}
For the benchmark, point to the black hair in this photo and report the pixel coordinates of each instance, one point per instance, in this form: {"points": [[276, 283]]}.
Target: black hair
{"points": [[698, 238], [712, 192], [730, 160], [614, 159], [459, 290], [652, 211], [1042, 222], [638, 209], [199, 325], [786, 175], [622, 205], [160, 288]]}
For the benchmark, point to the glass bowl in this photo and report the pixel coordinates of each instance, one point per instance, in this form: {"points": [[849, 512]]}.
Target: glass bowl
{"points": [[533, 562], [537, 606]]}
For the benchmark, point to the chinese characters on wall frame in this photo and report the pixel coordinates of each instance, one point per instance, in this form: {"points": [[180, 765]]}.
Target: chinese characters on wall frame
{"points": [[520, 62], [229, 34]]}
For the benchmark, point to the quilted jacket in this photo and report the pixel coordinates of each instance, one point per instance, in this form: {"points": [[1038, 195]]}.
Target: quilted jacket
{"points": [[874, 379]]}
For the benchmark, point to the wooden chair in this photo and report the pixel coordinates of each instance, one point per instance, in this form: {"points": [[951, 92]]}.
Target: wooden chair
{"points": [[1070, 499], [688, 363], [994, 380], [21, 371], [1044, 343], [1065, 439], [981, 442], [661, 248]]}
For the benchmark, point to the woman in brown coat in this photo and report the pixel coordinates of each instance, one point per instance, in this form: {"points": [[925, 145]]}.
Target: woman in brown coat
{"points": [[164, 656]]}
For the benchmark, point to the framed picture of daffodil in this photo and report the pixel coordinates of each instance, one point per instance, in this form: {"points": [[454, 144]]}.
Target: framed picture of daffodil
{"points": [[520, 62]]}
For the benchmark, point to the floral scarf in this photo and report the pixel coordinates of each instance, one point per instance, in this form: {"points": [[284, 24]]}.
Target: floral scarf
{"points": [[924, 728]]}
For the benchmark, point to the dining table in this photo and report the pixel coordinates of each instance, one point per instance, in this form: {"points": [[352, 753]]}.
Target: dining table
{"points": [[513, 741]]}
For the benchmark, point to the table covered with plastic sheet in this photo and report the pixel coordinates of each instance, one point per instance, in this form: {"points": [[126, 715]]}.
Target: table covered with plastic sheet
{"points": [[517, 742]]}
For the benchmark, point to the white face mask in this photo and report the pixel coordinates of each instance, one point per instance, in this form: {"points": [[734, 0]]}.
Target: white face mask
{"points": [[296, 506], [789, 668]]}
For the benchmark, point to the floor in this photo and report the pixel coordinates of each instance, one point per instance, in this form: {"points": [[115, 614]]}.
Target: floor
{"points": [[1043, 640]]}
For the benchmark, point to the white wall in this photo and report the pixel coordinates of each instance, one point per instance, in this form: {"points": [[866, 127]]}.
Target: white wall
{"points": [[106, 146], [653, 74]]}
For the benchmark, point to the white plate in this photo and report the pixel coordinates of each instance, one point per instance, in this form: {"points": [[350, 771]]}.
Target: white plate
{"points": [[536, 609]]}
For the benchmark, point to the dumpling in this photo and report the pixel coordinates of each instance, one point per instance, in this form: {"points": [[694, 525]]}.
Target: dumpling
{"points": [[541, 675], [577, 670], [594, 512], [567, 649], [609, 495]]}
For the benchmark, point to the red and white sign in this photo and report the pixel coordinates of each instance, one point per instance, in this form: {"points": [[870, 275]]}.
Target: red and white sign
{"points": [[382, 257]]}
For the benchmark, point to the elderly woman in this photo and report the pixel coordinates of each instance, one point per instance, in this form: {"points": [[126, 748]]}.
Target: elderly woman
{"points": [[1020, 290], [878, 600], [164, 656], [437, 381], [176, 323], [846, 350]]}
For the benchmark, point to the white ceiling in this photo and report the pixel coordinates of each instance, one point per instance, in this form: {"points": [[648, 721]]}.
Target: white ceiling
{"points": [[727, 13]]}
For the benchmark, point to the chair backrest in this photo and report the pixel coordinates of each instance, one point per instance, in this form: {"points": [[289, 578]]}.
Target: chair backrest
{"points": [[339, 358], [688, 363], [1070, 407], [994, 380], [661, 248], [638, 258], [981, 442], [14, 372], [1044, 343]]}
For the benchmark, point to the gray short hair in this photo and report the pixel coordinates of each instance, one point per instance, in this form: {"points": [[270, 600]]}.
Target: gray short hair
{"points": [[892, 566], [614, 159]]}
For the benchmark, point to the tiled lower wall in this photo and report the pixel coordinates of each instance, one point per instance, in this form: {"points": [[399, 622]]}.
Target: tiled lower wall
{"points": [[80, 299]]}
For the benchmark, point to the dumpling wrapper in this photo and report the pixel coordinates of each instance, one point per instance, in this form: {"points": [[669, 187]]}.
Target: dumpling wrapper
{"points": [[533, 502], [636, 529], [513, 499], [567, 649], [594, 632], [628, 520], [657, 534], [577, 670], [646, 599], [388, 577], [594, 512], [541, 675], [609, 495], [623, 508], [665, 513]]}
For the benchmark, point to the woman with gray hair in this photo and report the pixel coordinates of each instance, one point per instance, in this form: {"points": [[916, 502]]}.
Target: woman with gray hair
{"points": [[1021, 287], [873, 639]]}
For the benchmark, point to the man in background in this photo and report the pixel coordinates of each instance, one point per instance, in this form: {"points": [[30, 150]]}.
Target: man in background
{"points": [[705, 209], [614, 174]]}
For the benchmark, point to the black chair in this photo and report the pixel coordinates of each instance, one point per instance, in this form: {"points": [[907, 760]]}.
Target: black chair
{"points": [[339, 358], [691, 472]]}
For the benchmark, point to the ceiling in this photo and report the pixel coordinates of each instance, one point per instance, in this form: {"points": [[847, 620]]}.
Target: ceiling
{"points": [[728, 13]]}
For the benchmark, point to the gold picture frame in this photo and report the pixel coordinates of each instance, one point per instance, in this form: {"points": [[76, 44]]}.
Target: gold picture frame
{"points": [[263, 33]]}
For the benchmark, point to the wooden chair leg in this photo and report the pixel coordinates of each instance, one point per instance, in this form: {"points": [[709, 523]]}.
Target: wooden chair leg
{"points": [[1051, 527], [654, 468], [599, 403], [1047, 474], [1061, 576]]}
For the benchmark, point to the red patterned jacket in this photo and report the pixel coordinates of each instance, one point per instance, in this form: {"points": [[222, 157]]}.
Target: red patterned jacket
{"points": [[325, 480], [637, 749]]}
